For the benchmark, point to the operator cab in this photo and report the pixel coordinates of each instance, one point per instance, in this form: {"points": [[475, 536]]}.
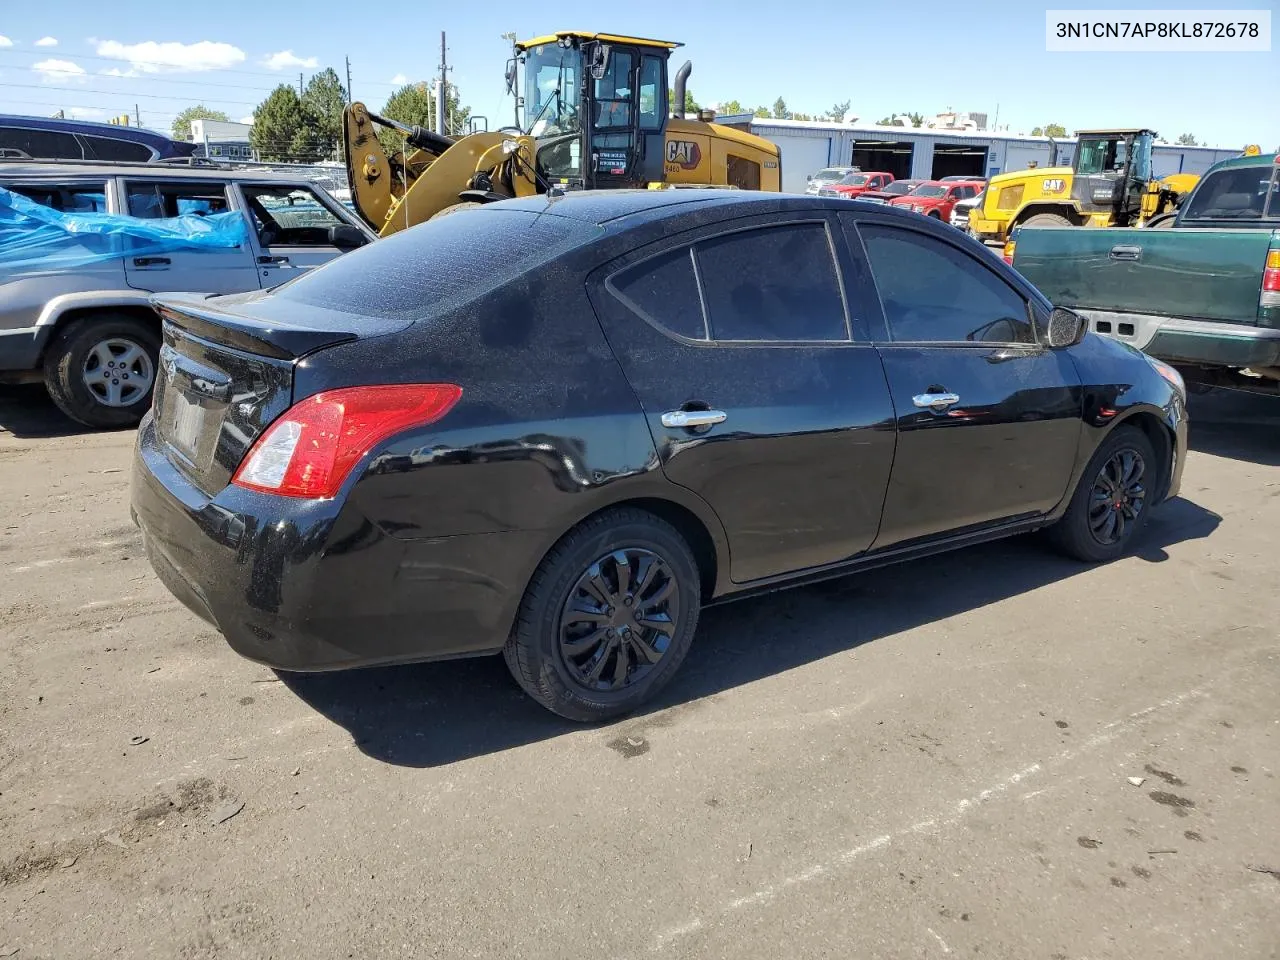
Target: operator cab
{"points": [[596, 105], [1112, 169]]}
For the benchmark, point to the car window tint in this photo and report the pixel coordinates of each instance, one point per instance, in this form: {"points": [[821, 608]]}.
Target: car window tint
{"points": [[664, 291], [41, 144], [775, 283], [104, 148], [933, 292], [82, 198]]}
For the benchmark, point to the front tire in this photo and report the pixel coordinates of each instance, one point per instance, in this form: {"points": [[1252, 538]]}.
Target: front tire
{"points": [[1046, 220], [1113, 499], [101, 369], [607, 618]]}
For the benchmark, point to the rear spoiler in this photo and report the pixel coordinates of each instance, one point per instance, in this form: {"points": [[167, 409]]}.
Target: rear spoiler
{"points": [[203, 318]]}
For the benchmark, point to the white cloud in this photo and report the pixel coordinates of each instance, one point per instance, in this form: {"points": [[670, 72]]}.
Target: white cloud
{"points": [[399, 79], [5, 41], [151, 56], [117, 72], [54, 71], [286, 58], [47, 42], [248, 120]]}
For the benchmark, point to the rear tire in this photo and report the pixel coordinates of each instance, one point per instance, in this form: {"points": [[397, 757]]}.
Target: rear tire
{"points": [[81, 375], [1046, 220], [1113, 499], [578, 617], [457, 208]]}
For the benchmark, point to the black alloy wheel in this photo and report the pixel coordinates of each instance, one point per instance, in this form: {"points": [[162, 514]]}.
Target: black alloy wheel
{"points": [[1118, 496], [619, 619]]}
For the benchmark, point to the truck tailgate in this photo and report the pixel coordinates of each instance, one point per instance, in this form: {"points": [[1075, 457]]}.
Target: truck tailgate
{"points": [[1191, 273]]}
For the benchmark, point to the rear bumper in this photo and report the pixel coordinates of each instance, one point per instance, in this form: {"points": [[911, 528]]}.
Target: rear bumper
{"points": [[1205, 342], [304, 585]]}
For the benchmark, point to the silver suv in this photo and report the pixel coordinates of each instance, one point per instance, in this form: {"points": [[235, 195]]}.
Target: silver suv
{"points": [[89, 332]]}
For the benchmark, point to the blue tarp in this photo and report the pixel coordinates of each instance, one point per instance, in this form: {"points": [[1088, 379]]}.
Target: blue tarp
{"points": [[35, 238]]}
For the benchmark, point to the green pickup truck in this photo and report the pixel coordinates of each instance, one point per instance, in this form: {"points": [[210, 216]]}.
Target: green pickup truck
{"points": [[1203, 294]]}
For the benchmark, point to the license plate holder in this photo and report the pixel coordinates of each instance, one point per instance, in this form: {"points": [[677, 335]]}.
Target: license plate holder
{"points": [[186, 422]]}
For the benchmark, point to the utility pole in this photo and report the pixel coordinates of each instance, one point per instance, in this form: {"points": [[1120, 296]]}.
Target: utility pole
{"points": [[442, 90], [137, 114], [350, 98], [299, 84]]}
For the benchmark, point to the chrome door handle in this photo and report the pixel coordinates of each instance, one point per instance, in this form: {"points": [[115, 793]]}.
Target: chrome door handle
{"points": [[693, 418], [1126, 252], [935, 401]]}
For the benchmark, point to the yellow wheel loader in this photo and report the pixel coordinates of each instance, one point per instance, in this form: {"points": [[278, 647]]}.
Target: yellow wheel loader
{"points": [[595, 117], [1109, 184]]}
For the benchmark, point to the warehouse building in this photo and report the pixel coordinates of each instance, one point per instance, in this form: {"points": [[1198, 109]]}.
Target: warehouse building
{"points": [[809, 145]]}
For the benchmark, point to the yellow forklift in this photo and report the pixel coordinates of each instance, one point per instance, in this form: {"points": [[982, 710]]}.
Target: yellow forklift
{"points": [[596, 117]]}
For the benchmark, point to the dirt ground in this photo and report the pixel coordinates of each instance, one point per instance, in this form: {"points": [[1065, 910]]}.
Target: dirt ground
{"points": [[997, 754]]}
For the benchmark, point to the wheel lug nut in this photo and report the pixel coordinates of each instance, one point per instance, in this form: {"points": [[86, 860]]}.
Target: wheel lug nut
{"points": [[627, 601]]}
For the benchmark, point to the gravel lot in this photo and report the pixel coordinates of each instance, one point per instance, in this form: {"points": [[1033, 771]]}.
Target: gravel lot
{"points": [[924, 761]]}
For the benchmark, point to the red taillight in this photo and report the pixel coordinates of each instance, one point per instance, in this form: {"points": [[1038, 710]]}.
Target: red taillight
{"points": [[1271, 281], [310, 450]]}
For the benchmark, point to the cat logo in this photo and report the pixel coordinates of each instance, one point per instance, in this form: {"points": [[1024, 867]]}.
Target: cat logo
{"points": [[1053, 186], [683, 153]]}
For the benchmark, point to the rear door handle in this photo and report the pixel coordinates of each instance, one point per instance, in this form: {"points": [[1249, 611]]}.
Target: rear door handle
{"points": [[151, 261], [273, 259], [935, 401], [693, 418], [1126, 252]]}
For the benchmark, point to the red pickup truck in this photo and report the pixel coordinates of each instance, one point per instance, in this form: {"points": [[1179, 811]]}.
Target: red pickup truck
{"points": [[856, 184], [935, 198]]}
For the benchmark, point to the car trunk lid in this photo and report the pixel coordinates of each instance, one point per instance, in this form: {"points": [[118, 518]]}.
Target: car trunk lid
{"points": [[226, 373]]}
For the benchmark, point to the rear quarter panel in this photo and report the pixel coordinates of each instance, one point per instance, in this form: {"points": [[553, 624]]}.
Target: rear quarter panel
{"points": [[1196, 274]]}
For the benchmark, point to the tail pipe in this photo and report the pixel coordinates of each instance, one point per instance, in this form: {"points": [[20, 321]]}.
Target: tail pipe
{"points": [[677, 89]]}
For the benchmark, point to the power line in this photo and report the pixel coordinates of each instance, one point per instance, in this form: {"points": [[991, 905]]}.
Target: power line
{"points": [[159, 74], [115, 93]]}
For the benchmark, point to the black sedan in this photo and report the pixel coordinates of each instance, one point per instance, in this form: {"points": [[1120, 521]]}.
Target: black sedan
{"points": [[556, 428]]}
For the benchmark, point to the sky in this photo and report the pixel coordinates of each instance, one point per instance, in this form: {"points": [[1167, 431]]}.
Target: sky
{"points": [[94, 62]]}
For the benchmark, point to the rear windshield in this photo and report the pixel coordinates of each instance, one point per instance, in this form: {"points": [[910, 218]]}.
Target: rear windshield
{"points": [[437, 264], [1242, 193]]}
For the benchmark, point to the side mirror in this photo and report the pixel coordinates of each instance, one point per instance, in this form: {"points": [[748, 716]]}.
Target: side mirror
{"points": [[346, 237], [599, 60], [1066, 328], [511, 75], [808, 176]]}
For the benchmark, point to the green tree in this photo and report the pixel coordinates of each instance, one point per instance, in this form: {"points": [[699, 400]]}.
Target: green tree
{"points": [[1055, 130], [732, 106], [182, 122], [780, 111], [1187, 140], [281, 130], [322, 104], [414, 103], [1037, 131], [690, 105], [802, 116], [839, 111], [917, 119], [763, 112]]}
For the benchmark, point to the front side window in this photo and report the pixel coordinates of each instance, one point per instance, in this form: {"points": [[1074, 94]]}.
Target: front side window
{"points": [[613, 93], [772, 284], [155, 201], [934, 293], [289, 215], [551, 90]]}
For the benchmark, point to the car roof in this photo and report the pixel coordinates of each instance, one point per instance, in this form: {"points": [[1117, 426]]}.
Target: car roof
{"points": [[629, 207], [90, 128], [60, 169], [1260, 160]]}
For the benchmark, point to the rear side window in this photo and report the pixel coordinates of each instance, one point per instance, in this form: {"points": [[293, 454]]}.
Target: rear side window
{"points": [[664, 291], [118, 151], [78, 198], [41, 144], [775, 283], [1236, 194], [438, 264], [934, 293], [154, 201]]}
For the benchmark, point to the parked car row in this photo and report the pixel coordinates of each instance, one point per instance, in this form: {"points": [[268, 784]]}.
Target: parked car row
{"points": [[932, 198]]}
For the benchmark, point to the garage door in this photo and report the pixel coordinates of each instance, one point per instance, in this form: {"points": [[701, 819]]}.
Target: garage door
{"points": [[801, 157]]}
